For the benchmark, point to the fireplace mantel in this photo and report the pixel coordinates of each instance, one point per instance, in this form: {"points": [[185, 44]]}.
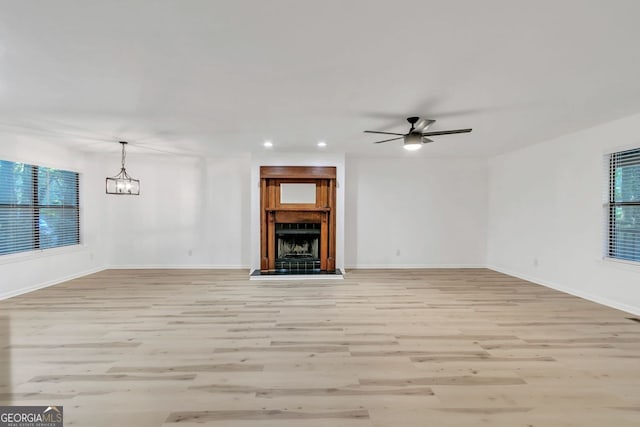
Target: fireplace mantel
{"points": [[273, 212]]}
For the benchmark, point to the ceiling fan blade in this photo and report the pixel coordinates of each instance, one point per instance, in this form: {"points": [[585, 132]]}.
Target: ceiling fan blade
{"points": [[423, 124], [387, 140], [446, 132], [426, 140], [384, 133]]}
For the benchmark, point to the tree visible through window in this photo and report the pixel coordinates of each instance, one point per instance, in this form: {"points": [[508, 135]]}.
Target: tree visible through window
{"points": [[39, 208], [623, 206]]}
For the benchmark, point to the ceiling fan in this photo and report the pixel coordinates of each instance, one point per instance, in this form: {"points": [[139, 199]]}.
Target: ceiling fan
{"points": [[417, 135]]}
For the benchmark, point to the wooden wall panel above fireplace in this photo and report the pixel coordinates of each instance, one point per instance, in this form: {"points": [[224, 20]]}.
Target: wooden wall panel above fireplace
{"points": [[273, 211]]}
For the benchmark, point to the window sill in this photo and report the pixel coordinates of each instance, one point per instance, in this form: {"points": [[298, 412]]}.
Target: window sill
{"points": [[40, 253], [623, 264]]}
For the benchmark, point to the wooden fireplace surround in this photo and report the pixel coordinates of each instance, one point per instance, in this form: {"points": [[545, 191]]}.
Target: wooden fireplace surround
{"points": [[272, 211]]}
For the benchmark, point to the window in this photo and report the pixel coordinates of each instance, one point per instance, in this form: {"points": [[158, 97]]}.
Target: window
{"points": [[623, 206], [39, 208]]}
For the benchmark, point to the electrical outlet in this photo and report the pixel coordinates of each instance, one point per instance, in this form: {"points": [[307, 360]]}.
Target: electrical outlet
{"points": [[397, 252]]}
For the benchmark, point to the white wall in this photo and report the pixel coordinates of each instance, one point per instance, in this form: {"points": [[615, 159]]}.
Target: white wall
{"points": [[546, 215], [535, 213], [23, 272], [415, 212], [191, 213], [274, 158]]}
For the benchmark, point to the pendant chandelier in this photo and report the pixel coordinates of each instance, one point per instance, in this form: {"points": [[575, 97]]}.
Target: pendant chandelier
{"points": [[123, 183]]}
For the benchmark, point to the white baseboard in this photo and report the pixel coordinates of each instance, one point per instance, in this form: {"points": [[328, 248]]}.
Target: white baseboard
{"points": [[407, 266], [585, 295], [178, 267], [48, 283]]}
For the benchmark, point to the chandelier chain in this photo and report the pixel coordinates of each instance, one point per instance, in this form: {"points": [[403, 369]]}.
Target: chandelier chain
{"points": [[124, 155]]}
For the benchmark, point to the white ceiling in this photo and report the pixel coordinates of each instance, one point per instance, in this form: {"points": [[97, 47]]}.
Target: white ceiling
{"points": [[213, 77]]}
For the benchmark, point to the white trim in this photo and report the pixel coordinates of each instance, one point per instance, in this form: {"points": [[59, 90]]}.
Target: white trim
{"points": [[622, 263], [50, 283], [61, 165], [584, 295], [41, 253], [407, 266], [177, 267], [607, 151]]}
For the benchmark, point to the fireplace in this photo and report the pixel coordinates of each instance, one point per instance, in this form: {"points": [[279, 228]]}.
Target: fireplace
{"points": [[297, 219], [298, 247]]}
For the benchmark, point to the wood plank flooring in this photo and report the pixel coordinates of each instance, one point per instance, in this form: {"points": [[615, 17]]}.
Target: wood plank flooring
{"points": [[394, 348]]}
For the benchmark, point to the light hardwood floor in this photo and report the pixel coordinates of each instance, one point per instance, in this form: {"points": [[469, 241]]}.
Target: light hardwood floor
{"points": [[381, 348]]}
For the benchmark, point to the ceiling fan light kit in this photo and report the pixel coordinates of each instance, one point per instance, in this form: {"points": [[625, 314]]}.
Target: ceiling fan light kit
{"points": [[123, 184], [417, 135], [413, 141]]}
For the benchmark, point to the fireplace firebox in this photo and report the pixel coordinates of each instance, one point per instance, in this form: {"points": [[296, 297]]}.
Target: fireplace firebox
{"points": [[298, 247], [297, 219]]}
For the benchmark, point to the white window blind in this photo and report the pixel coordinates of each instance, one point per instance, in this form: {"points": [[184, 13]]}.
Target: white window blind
{"points": [[39, 208], [622, 206]]}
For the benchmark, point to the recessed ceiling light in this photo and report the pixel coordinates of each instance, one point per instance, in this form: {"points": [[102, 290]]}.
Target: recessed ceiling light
{"points": [[322, 144], [268, 144]]}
